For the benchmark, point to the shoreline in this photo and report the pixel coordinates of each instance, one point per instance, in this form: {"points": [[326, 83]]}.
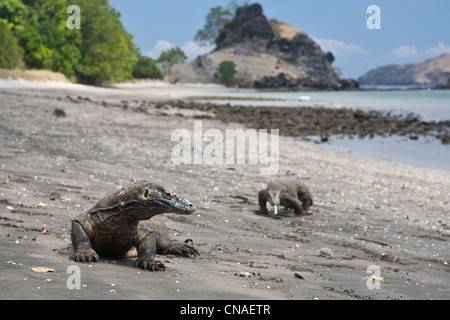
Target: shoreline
{"points": [[366, 211], [307, 121], [319, 124]]}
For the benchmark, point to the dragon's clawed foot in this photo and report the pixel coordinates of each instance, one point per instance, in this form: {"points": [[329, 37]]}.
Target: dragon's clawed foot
{"points": [[183, 249], [149, 264], [85, 255]]}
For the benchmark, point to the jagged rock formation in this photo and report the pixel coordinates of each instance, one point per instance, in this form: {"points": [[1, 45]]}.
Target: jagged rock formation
{"points": [[268, 54], [434, 71]]}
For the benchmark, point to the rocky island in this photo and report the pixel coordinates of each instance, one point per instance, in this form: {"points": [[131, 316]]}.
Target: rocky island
{"points": [[268, 54], [433, 72]]}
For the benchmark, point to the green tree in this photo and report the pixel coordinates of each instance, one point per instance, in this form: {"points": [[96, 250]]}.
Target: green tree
{"points": [[227, 70], [37, 54], [11, 54], [216, 19], [14, 11], [24, 21], [107, 49], [49, 19], [147, 68], [172, 56]]}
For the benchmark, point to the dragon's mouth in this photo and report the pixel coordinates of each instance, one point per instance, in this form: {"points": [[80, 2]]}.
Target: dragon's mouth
{"points": [[179, 206], [274, 201]]}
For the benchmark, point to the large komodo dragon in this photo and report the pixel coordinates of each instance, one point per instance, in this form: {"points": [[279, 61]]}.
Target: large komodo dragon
{"points": [[288, 194], [113, 228]]}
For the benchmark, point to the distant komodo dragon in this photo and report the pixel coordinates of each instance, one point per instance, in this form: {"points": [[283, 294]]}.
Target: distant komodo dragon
{"points": [[113, 226], [288, 194]]}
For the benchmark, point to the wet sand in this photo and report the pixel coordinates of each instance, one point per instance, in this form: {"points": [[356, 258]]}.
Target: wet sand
{"points": [[367, 212]]}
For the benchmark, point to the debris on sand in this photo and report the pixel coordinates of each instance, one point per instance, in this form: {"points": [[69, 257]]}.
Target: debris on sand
{"points": [[299, 275], [42, 204], [325, 252], [43, 269], [59, 113]]}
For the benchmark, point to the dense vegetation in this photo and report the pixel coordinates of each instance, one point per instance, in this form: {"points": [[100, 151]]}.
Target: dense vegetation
{"points": [[227, 71], [172, 56], [147, 68], [34, 34], [11, 54]]}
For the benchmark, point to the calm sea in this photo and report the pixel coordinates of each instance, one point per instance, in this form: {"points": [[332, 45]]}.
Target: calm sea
{"points": [[429, 105]]}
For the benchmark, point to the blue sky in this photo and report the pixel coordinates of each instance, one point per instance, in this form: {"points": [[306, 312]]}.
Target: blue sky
{"points": [[411, 31]]}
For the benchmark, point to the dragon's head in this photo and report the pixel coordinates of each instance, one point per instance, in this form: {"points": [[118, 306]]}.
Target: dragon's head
{"points": [[273, 194], [144, 199], [168, 199]]}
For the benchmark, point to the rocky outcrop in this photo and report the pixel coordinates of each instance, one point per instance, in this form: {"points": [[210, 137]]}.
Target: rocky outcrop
{"points": [[432, 72], [323, 122], [267, 54]]}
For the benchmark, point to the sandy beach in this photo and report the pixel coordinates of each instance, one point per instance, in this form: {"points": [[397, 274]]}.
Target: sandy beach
{"points": [[370, 217]]}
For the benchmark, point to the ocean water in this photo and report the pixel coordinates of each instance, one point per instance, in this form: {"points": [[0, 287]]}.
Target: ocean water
{"points": [[427, 152], [428, 105]]}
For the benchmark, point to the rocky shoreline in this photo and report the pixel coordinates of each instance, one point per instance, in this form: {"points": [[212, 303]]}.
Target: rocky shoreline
{"points": [[302, 122], [323, 122]]}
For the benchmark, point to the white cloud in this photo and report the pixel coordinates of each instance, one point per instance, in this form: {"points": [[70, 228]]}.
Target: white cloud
{"points": [[406, 53], [436, 51], [400, 55], [193, 50], [410, 54], [160, 46], [190, 48], [339, 48]]}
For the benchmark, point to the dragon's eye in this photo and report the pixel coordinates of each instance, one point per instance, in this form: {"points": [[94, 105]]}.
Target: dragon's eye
{"points": [[168, 193], [147, 191]]}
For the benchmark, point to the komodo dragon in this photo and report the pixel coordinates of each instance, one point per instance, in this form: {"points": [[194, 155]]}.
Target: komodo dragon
{"points": [[113, 228], [288, 194]]}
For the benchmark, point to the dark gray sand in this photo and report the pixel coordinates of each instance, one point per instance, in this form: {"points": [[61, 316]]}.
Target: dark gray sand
{"points": [[368, 213]]}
